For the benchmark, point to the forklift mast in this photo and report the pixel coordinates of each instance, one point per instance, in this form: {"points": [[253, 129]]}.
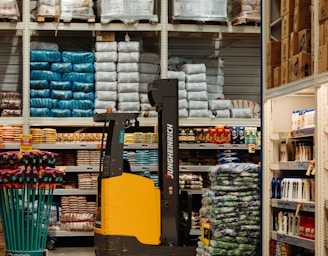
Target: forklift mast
{"points": [[163, 94]]}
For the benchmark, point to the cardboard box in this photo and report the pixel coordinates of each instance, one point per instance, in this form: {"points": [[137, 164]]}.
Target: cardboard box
{"points": [[286, 25], [302, 18], [322, 33], [302, 3], [270, 76], [284, 73], [276, 77], [293, 44], [323, 10], [104, 36], [323, 58], [325, 32], [273, 53], [304, 40], [286, 6], [299, 66], [284, 49]]}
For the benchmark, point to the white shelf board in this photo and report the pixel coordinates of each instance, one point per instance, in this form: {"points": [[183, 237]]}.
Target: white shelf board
{"points": [[62, 233], [11, 25], [214, 146], [204, 28], [11, 120], [292, 205], [74, 191], [88, 26], [293, 240], [290, 165], [195, 232], [194, 168], [88, 121], [194, 191], [68, 145], [290, 88]]}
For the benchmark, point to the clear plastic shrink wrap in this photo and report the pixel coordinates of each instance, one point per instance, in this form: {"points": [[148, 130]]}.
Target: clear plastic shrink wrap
{"points": [[105, 76], [77, 9], [127, 11], [232, 207], [231, 11], [9, 9], [48, 8], [62, 84]]}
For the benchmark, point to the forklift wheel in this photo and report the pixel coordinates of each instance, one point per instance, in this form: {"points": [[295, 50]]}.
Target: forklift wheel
{"points": [[50, 244]]}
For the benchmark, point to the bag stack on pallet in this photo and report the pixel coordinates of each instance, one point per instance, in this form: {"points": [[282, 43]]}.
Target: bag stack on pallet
{"points": [[128, 76], [149, 70], [182, 92], [231, 207], [126, 11], [106, 76], [196, 87], [61, 84], [9, 10]]}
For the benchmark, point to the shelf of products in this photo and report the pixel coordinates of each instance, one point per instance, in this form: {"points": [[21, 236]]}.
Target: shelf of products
{"points": [[158, 33], [283, 94]]}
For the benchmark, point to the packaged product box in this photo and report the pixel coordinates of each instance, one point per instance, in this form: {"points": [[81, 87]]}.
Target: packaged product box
{"points": [[304, 40], [323, 58], [293, 43], [270, 76], [104, 36], [323, 10], [273, 53], [286, 6], [299, 66], [286, 25], [302, 18], [284, 49], [284, 73], [276, 76]]}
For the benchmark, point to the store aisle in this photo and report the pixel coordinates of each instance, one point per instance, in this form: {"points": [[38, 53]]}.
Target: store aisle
{"points": [[72, 251]]}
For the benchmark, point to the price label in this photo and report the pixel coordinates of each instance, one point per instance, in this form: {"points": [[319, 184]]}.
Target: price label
{"points": [[206, 233], [25, 142]]}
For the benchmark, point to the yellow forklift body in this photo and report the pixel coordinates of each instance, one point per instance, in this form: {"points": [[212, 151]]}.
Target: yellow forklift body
{"points": [[131, 207]]}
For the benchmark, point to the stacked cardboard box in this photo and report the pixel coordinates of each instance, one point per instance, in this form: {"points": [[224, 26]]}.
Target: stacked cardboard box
{"points": [[323, 36], [296, 54]]}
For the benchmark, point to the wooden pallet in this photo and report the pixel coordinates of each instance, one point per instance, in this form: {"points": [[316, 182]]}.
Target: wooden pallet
{"points": [[91, 19], [47, 18]]}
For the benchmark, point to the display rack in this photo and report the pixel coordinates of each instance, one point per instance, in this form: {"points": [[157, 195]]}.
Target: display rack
{"points": [[277, 105], [164, 29]]}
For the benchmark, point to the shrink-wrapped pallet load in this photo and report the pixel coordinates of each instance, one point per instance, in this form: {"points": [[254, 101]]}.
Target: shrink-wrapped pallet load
{"points": [[149, 70], [126, 11], [9, 10], [128, 76], [106, 76], [196, 87], [231, 209]]}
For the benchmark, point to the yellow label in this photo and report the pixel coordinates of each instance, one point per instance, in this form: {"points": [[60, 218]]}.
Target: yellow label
{"points": [[251, 148], [206, 233], [25, 142]]}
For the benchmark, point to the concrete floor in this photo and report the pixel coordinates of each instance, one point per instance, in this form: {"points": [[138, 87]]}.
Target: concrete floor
{"points": [[72, 251]]}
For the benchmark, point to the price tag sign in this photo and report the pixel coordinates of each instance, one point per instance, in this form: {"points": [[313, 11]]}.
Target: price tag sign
{"points": [[25, 142], [206, 233]]}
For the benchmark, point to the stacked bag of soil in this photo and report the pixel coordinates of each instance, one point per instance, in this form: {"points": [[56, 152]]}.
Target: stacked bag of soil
{"points": [[231, 207]]}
